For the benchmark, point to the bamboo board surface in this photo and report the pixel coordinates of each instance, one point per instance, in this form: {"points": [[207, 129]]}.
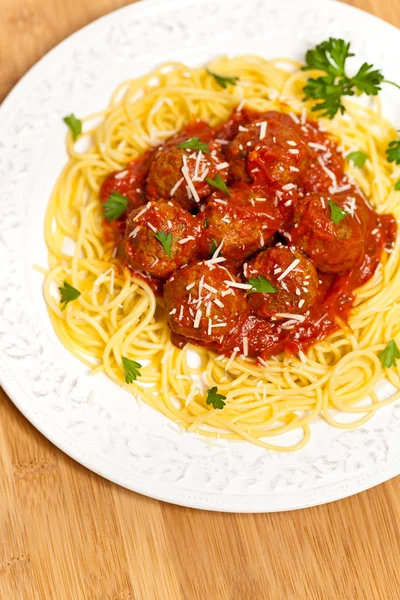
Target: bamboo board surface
{"points": [[67, 534]]}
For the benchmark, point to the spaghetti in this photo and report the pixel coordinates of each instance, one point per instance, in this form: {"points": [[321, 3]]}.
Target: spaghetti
{"points": [[118, 315]]}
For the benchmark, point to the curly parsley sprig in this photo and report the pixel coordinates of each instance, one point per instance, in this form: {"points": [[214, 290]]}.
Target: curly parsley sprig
{"points": [[330, 56], [131, 369], [194, 143], [67, 294], [261, 284], [223, 80], [165, 240], [358, 158], [74, 124], [389, 355], [393, 152], [115, 206], [337, 214], [217, 400]]}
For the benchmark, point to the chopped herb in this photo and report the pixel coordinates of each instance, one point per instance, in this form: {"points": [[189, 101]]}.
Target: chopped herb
{"points": [[217, 400], [115, 206], [68, 293], [74, 124], [337, 214], [165, 240], [131, 369], [224, 80], [393, 152], [357, 158], [218, 183], [397, 186], [261, 285], [194, 143], [213, 247], [389, 354], [330, 56], [206, 223]]}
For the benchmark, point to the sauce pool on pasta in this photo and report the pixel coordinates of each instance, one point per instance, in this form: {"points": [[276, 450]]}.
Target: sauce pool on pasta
{"points": [[272, 219]]}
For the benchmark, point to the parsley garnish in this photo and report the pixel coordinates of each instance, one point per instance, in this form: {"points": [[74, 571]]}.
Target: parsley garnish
{"points": [[218, 183], [115, 206], [357, 158], [330, 56], [213, 247], [68, 293], [217, 400], [74, 124], [131, 369], [165, 240], [194, 143], [206, 223], [389, 354], [393, 152], [261, 285], [337, 214], [397, 186], [224, 80]]}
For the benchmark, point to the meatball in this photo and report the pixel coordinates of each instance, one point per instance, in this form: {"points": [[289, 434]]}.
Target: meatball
{"points": [[160, 238], [130, 182], [292, 275], [173, 168], [325, 170], [333, 248], [271, 150], [245, 222], [201, 302]]}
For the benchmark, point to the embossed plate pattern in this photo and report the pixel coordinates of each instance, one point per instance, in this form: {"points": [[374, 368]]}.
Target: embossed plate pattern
{"points": [[108, 431]]}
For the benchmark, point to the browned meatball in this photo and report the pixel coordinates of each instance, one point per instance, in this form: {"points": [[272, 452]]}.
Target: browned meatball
{"points": [[160, 238], [245, 222], [333, 248], [201, 302], [269, 149], [167, 174], [291, 274], [326, 166]]}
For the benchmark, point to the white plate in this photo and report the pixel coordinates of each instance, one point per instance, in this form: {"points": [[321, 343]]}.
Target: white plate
{"points": [[125, 441]]}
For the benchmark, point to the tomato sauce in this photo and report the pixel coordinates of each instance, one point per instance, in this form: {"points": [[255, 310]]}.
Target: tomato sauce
{"points": [[271, 168]]}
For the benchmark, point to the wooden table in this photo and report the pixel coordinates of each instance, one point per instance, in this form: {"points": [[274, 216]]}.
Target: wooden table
{"points": [[67, 534]]}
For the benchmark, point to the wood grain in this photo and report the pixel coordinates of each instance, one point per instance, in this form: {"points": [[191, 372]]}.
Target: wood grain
{"points": [[65, 533]]}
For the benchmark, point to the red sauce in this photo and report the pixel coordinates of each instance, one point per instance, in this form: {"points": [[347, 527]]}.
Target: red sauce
{"points": [[325, 168]]}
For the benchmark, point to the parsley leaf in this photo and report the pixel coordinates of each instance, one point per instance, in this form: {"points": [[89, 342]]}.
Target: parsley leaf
{"points": [[115, 206], [337, 214], [223, 80], [131, 369], [74, 124], [357, 158], [68, 293], [393, 152], [213, 247], [330, 56], [261, 285], [165, 240], [218, 183], [217, 400], [389, 354], [368, 81], [397, 186], [194, 143], [323, 88]]}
